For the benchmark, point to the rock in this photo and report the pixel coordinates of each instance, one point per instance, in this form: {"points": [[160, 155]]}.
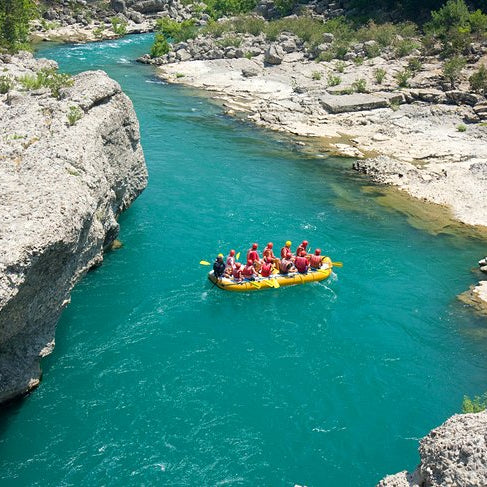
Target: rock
{"points": [[479, 169], [454, 454], [463, 97], [273, 55], [63, 186], [183, 55], [118, 5], [289, 46], [481, 110], [352, 103], [249, 72], [328, 37], [136, 17]]}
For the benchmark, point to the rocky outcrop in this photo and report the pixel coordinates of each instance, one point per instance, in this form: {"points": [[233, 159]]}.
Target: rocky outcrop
{"points": [[69, 165], [454, 454]]}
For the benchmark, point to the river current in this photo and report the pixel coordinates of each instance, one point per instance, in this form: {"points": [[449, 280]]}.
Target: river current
{"points": [[159, 379]]}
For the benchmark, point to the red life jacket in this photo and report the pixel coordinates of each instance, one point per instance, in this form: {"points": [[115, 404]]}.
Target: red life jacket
{"points": [[253, 255], [248, 270], [268, 254], [298, 250], [230, 261], [315, 261], [237, 273], [266, 269], [286, 253], [301, 264]]}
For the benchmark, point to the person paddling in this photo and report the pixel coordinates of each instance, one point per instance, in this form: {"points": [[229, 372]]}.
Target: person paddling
{"points": [[268, 254], [219, 267], [252, 253], [301, 262], [266, 269], [286, 251], [316, 260], [237, 272], [231, 259], [302, 246], [249, 271]]}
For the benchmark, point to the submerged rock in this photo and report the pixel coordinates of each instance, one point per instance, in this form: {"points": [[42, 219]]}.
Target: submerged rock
{"points": [[69, 167]]}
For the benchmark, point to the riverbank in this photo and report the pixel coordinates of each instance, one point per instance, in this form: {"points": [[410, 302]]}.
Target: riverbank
{"points": [[71, 163]]}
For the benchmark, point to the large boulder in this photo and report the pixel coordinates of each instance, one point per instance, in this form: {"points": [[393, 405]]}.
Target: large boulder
{"points": [[273, 55]]}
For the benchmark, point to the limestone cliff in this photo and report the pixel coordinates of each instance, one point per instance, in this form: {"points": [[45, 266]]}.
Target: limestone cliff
{"points": [[69, 164]]}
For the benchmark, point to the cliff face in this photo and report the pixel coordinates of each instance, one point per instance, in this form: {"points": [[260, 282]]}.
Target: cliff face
{"points": [[455, 453], [68, 167]]}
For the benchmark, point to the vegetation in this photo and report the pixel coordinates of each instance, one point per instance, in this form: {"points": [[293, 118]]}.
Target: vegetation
{"points": [[334, 80], [14, 23], [478, 80], [119, 26], [220, 8], [359, 86], [402, 78], [379, 74], [6, 84], [75, 113], [174, 31], [461, 128], [46, 78], [452, 69], [415, 65], [475, 405], [160, 46], [316, 75], [340, 66]]}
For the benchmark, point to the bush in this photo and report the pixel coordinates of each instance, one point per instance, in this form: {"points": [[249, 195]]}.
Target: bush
{"points": [[14, 23], [46, 78], [220, 8], [403, 78], [415, 65], [160, 46], [176, 31], [359, 86], [75, 113], [478, 80], [6, 84], [285, 7], [334, 80], [248, 24], [475, 405], [379, 74], [452, 69], [230, 41], [461, 128], [372, 50], [405, 47], [119, 26], [316, 75], [358, 61], [340, 66]]}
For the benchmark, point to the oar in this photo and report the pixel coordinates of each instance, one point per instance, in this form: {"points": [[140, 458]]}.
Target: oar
{"points": [[275, 283], [238, 256], [204, 262], [337, 264], [255, 284]]}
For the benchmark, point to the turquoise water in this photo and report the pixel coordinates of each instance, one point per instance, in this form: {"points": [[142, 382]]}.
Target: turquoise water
{"points": [[157, 379]]}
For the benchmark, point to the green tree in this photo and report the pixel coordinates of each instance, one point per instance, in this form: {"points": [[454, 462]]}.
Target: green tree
{"points": [[14, 22]]}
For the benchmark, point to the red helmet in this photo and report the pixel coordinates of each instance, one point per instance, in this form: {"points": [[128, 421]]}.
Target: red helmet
{"points": [[254, 246], [249, 262], [317, 251], [232, 253], [305, 243], [270, 245], [302, 253], [237, 265]]}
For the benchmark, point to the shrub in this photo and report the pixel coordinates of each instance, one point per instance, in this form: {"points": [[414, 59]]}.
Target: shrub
{"points": [[285, 7], [75, 113], [372, 50], [316, 75], [402, 78], [452, 69], [340, 66], [334, 80], [461, 128], [119, 26], [6, 84], [358, 61], [180, 75], [46, 78], [98, 32], [478, 23], [176, 31], [359, 86], [220, 8], [379, 74], [160, 46], [478, 80], [475, 405], [230, 41], [405, 47], [415, 65], [14, 23], [248, 24]]}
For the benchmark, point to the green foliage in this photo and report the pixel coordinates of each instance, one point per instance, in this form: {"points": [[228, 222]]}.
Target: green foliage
{"points": [[359, 86], [340, 66], [14, 23], [220, 8], [415, 65], [98, 32], [46, 78], [461, 128], [230, 41], [316, 75], [176, 31], [6, 84], [379, 74], [386, 34], [180, 75], [248, 24], [159, 47], [119, 26], [478, 80], [405, 47], [358, 61], [334, 80], [372, 50], [285, 7], [75, 113], [402, 78], [475, 405], [452, 69]]}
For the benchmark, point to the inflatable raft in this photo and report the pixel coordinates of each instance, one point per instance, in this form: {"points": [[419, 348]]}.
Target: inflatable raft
{"points": [[275, 280]]}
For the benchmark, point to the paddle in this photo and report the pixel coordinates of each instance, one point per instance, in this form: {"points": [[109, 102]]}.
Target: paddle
{"points": [[238, 256], [337, 264], [204, 262], [255, 284], [275, 283]]}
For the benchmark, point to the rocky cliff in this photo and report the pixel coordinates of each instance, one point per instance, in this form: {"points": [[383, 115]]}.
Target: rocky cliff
{"points": [[454, 454], [70, 162]]}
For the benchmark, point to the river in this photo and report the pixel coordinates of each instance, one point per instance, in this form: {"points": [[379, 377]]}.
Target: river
{"points": [[159, 379]]}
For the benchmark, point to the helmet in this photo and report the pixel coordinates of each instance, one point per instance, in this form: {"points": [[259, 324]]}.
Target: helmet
{"points": [[220, 255], [237, 265], [232, 252], [302, 253], [288, 243], [249, 262], [254, 246], [317, 251], [270, 245], [305, 243]]}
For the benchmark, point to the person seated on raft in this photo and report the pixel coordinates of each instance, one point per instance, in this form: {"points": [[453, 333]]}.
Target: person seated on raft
{"points": [[219, 267], [286, 251], [268, 255], [316, 260], [249, 272], [237, 272], [301, 247], [286, 266], [301, 262], [231, 259], [266, 269], [252, 253]]}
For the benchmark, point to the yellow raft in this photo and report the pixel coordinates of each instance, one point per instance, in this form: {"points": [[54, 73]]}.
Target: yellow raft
{"points": [[275, 280]]}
